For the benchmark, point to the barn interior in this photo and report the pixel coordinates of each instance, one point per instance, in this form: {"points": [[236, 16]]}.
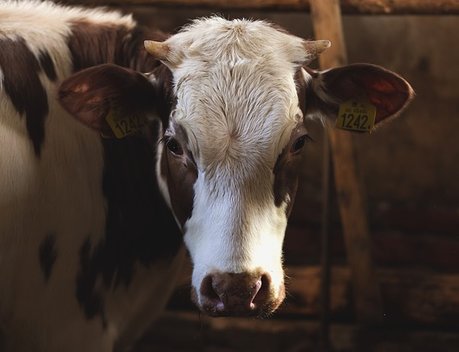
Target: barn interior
{"points": [[407, 297]]}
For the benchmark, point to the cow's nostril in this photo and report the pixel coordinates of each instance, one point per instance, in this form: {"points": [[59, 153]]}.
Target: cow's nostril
{"points": [[261, 295], [258, 285], [235, 293], [210, 297]]}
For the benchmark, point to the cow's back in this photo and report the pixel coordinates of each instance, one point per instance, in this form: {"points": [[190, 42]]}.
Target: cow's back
{"points": [[53, 201]]}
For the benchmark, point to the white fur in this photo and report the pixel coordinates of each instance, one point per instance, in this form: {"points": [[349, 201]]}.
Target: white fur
{"points": [[237, 100], [41, 22], [44, 26], [59, 193]]}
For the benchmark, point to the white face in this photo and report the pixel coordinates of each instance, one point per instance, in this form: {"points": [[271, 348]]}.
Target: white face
{"points": [[234, 131]]}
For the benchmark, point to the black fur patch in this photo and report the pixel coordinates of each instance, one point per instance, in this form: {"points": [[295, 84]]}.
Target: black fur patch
{"points": [[93, 44], [90, 300], [140, 228], [47, 65], [21, 83], [47, 255]]}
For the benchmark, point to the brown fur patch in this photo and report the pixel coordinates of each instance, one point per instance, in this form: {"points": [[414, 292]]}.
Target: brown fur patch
{"points": [[47, 65], [21, 83], [94, 44], [181, 174], [287, 167]]}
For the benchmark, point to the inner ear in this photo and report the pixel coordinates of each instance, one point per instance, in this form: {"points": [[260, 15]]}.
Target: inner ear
{"points": [[103, 95], [388, 95], [386, 90]]}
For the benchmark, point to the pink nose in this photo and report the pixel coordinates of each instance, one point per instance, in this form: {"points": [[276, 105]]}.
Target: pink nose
{"points": [[224, 294]]}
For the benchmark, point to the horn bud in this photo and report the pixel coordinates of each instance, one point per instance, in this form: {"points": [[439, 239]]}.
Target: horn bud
{"points": [[159, 50], [315, 47]]}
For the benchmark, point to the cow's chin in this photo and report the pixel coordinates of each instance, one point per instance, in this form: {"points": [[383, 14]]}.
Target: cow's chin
{"points": [[214, 308]]}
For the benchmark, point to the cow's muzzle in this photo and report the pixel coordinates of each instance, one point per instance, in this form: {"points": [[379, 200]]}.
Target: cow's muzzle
{"points": [[239, 294]]}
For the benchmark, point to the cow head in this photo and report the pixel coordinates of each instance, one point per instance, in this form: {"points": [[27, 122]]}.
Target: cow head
{"points": [[232, 140]]}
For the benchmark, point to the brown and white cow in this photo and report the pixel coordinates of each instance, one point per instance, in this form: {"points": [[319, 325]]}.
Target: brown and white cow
{"points": [[198, 143]]}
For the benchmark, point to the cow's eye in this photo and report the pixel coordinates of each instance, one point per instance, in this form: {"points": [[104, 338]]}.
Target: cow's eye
{"points": [[174, 146], [299, 144]]}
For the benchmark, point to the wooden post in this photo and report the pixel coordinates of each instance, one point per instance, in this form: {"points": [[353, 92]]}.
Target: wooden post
{"points": [[326, 17], [325, 244]]}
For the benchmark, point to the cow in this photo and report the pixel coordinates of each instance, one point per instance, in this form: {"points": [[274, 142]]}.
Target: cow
{"points": [[124, 149]]}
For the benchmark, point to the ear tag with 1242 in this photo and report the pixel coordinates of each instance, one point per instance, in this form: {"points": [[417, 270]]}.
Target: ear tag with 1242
{"points": [[356, 115]]}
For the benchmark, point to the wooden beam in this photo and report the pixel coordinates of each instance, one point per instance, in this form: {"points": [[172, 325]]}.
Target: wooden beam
{"points": [[372, 7], [326, 20], [185, 331], [405, 218], [412, 297], [325, 247], [416, 297], [389, 248], [190, 331]]}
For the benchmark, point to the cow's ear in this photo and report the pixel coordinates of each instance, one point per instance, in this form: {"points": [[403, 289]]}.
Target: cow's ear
{"points": [[103, 95], [332, 91]]}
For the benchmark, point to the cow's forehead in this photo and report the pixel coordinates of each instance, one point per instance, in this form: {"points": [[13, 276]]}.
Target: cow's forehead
{"points": [[235, 91], [215, 38], [227, 115]]}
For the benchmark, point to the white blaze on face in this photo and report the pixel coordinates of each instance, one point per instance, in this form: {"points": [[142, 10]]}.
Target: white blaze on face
{"points": [[237, 102]]}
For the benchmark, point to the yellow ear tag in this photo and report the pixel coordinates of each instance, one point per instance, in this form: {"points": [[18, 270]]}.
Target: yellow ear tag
{"points": [[356, 115], [123, 126]]}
